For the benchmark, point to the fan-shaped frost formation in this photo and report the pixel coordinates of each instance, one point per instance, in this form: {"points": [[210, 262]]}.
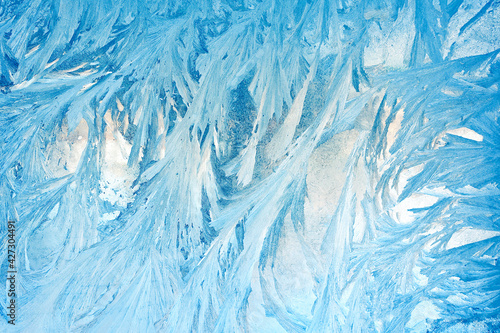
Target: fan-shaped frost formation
{"points": [[251, 166]]}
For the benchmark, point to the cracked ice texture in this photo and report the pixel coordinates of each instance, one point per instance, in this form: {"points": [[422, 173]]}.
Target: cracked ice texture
{"points": [[252, 166]]}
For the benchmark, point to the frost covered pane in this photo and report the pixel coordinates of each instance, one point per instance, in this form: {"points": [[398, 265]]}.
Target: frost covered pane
{"points": [[251, 166]]}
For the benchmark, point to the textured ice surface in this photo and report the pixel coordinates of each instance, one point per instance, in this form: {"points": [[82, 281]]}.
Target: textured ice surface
{"points": [[251, 166]]}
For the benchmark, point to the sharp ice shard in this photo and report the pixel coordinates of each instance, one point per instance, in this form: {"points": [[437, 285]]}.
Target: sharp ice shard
{"points": [[250, 166]]}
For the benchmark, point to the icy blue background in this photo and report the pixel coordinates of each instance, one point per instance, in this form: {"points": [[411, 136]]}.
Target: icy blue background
{"points": [[251, 166]]}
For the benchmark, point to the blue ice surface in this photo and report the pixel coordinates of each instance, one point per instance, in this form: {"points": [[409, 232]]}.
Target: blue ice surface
{"points": [[251, 165]]}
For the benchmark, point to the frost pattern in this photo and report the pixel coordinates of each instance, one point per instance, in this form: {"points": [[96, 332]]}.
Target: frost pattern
{"points": [[252, 166]]}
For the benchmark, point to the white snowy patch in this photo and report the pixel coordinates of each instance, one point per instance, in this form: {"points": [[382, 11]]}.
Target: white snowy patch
{"points": [[468, 236]]}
